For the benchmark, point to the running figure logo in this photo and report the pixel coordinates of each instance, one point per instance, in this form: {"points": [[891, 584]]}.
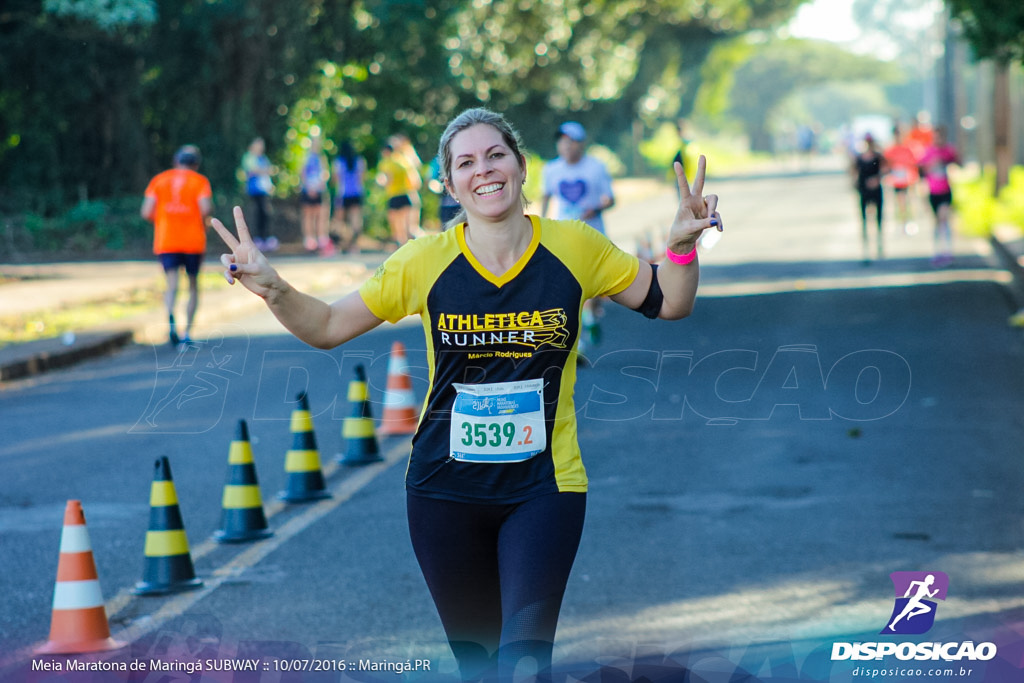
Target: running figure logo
{"points": [[916, 592]]}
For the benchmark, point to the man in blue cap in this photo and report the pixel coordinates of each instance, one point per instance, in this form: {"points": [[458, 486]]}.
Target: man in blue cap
{"points": [[580, 183], [582, 187]]}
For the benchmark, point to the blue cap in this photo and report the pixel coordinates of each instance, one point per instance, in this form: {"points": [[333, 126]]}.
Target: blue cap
{"points": [[573, 131], [189, 156]]}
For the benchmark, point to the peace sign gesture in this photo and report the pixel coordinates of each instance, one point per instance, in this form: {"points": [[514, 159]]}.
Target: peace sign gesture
{"points": [[696, 212], [246, 262]]}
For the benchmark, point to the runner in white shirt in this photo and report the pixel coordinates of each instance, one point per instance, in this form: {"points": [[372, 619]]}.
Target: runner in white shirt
{"points": [[582, 188], [579, 183]]}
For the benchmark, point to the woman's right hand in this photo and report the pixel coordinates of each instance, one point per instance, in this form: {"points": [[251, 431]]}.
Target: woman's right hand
{"points": [[246, 263]]}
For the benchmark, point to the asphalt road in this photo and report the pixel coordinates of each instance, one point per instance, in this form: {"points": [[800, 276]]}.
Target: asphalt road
{"points": [[757, 472]]}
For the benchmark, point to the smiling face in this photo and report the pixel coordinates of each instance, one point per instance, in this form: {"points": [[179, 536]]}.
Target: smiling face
{"points": [[486, 175]]}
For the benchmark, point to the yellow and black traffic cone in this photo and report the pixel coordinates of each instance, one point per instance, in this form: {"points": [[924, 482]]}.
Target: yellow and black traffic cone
{"points": [[242, 517], [302, 462], [168, 567], [357, 430]]}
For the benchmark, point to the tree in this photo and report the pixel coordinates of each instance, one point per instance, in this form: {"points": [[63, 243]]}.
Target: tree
{"points": [[777, 69], [609, 63], [63, 101], [995, 30], [97, 94], [910, 34]]}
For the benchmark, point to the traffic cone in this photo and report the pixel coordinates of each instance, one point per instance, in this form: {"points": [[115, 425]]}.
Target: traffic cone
{"points": [[79, 620], [168, 567], [242, 517], [400, 413], [361, 447], [302, 462]]}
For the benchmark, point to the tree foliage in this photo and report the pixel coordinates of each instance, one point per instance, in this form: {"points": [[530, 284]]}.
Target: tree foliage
{"points": [[994, 28], [97, 94], [777, 69]]}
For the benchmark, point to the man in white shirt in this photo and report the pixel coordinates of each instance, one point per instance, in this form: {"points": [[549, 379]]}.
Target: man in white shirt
{"points": [[582, 188], [579, 182]]}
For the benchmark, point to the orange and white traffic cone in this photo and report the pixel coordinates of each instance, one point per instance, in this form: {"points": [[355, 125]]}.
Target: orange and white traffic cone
{"points": [[400, 410], [79, 621]]}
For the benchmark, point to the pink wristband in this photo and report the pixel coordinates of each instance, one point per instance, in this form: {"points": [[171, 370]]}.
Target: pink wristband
{"points": [[681, 259]]}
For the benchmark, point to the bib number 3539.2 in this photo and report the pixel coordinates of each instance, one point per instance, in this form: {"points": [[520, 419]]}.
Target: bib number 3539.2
{"points": [[498, 423]]}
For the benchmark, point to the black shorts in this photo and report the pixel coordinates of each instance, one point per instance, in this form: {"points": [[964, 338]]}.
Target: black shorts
{"points": [[399, 202], [871, 196], [348, 202], [190, 262], [311, 199], [939, 200]]}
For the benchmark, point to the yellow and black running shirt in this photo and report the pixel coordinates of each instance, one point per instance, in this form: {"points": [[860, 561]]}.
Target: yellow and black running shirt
{"points": [[483, 329]]}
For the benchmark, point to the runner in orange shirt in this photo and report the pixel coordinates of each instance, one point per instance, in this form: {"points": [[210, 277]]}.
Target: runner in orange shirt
{"points": [[921, 134], [179, 202], [903, 178]]}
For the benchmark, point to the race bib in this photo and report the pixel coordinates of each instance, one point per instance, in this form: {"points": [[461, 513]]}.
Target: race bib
{"points": [[498, 423]]}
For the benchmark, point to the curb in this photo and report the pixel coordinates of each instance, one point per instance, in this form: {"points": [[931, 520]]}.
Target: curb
{"points": [[21, 360], [1011, 263], [24, 360]]}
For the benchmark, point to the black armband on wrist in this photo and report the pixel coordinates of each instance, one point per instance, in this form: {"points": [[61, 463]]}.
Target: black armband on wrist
{"points": [[651, 306]]}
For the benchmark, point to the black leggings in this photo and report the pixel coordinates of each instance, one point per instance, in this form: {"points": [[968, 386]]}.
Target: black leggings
{"points": [[497, 574]]}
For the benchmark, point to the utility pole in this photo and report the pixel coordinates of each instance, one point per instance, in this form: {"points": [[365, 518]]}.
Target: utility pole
{"points": [[945, 114], [1001, 125], [953, 99]]}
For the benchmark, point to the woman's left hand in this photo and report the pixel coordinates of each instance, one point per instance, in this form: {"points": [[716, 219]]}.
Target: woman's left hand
{"points": [[696, 213]]}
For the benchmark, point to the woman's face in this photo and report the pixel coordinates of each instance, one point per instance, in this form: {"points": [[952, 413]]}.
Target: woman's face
{"points": [[486, 176]]}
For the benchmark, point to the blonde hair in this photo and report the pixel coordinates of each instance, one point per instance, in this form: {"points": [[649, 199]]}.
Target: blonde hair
{"points": [[464, 121]]}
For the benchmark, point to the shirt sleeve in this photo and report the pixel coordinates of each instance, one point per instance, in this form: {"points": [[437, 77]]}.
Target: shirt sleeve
{"points": [[601, 268], [388, 293], [400, 286], [615, 269]]}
